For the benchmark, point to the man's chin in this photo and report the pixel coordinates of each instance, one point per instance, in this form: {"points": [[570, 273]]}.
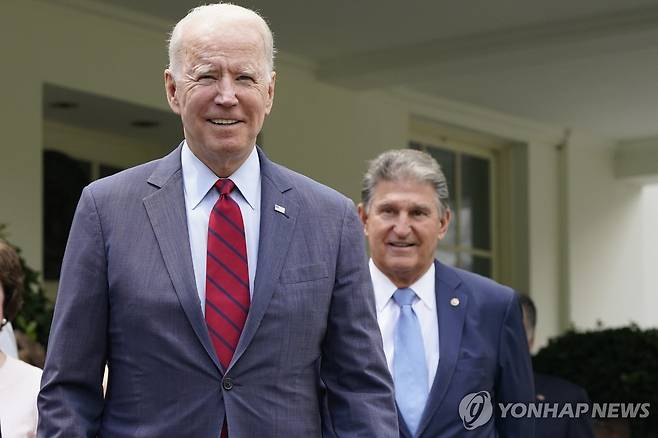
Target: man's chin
{"points": [[404, 271]]}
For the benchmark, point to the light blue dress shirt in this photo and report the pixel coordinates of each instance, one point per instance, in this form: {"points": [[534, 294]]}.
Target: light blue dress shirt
{"points": [[198, 179]]}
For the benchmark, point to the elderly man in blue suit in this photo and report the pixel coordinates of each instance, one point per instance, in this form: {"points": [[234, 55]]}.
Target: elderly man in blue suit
{"points": [[454, 341], [229, 296]]}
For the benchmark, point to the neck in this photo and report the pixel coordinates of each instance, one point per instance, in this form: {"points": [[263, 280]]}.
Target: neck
{"points": [[3, 358], [223, 165]]}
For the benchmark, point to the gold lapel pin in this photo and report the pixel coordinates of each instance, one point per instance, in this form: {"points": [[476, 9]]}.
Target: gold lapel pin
{"points": [[454, 302]]}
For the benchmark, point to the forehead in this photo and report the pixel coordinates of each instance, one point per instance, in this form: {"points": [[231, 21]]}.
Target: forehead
{"points": [[404, 192], [235, 41]]}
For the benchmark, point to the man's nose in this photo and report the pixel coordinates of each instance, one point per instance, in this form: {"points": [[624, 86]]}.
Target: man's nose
{"points": [[402, 227], [226, 92]]}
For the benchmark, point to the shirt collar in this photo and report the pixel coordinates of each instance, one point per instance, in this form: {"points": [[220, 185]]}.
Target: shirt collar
{"points": [[198, 179], [384, 287]]}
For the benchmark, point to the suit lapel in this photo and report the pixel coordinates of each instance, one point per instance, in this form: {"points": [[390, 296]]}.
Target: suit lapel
{"points": [[276, 229], [451, 324], [166, 211]]}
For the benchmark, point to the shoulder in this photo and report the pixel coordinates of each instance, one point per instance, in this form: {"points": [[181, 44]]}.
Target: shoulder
{"points": [[488, 303], [129, 187], [479, 288], [310, 193], [554, 388], [126, 181]]}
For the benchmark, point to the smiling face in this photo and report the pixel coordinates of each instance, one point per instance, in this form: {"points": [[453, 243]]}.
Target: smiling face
{"points": [[403, 227], [223, 92]]}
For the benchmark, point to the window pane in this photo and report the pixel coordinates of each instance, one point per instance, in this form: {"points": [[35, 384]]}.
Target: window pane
{"points": [[446, 160], [63, 180], [446, 257], [482, 266], [477, 264], [466, 262], [475, 203]]}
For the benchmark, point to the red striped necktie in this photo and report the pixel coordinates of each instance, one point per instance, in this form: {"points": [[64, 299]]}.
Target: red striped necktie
{"points": [[227, 276]]}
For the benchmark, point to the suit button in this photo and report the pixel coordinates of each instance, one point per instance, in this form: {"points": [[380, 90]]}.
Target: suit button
{"points": [[227, 383]]}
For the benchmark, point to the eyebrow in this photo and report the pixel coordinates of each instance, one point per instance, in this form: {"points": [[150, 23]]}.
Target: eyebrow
{"points": [[202, 68], [415, 206]]}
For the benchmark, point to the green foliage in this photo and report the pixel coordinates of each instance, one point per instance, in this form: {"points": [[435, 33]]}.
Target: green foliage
{"points": [[613, 365], [36, 314]]}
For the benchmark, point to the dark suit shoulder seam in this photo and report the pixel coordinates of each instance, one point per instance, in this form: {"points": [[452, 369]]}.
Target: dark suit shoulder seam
{"points": [[508, 309], [98, 219]]}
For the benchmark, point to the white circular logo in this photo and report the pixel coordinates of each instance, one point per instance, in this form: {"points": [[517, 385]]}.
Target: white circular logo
{"points": [[475, 409]]}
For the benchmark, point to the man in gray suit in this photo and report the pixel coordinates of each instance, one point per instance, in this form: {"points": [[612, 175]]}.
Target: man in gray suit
{"points": [[226, 293]]}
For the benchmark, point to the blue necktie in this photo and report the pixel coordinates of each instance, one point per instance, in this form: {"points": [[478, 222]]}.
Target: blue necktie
{"points": [[409, 366]]}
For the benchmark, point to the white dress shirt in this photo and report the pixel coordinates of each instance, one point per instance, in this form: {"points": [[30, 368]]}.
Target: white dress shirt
{"points": [[198, 179], [388, 312]]}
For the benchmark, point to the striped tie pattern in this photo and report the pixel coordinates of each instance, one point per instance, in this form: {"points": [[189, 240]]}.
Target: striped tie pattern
{"points": [[227, 275]]}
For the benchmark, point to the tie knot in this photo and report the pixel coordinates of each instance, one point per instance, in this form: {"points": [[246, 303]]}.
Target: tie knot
{"points": [[404, 297], [224, 186]]}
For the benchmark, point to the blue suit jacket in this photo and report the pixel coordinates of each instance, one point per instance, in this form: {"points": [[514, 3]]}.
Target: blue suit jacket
{"points": [[482, 347], [127, 296]]}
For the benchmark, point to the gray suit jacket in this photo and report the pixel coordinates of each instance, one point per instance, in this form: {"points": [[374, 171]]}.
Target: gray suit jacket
{"points": [[127, 296]]}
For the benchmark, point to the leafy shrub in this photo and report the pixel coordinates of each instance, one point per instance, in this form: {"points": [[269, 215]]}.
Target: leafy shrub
{"points": [[35, 316], [613, 365]]}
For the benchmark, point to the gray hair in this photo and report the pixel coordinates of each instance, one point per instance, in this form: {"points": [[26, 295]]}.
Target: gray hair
{"points": [[219, 9], [401, 164]]}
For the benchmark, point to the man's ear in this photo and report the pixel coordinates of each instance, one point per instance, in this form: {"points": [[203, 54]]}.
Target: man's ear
{"points": [[363, 216], [270, 93], [444, 223], [170, 89]]}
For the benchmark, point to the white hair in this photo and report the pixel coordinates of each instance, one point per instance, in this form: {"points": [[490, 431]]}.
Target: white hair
{"points": [[208, 12]]}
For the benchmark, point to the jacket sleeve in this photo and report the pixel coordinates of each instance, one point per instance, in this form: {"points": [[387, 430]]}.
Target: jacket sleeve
{"points": [[359, 388], [71, 400]]}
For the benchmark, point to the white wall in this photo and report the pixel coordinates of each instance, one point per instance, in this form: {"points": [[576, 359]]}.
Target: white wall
{"points": [[606, 240], [649, 201], [544, 241]]}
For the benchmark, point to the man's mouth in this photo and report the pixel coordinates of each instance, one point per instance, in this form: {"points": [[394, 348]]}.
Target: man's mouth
{"points": [[401, 244], [223, 122]]}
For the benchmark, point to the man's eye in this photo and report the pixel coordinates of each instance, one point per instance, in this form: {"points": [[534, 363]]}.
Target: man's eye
{"points": [[245, 78]]}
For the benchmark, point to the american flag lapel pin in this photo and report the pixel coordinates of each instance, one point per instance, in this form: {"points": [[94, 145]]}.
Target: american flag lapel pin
{"points": [[280, 209]]}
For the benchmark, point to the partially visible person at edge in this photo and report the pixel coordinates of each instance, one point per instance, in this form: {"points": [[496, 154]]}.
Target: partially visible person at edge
{"points": [[552, 389], [448, 334], [227, 294], [8, 342], [19, 381]]}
